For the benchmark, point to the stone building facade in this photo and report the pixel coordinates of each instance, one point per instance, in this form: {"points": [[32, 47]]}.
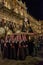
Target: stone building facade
{"points": [[16, 11]]}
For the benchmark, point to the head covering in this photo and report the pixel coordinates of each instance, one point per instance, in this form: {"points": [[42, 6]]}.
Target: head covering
{"points": [[12, 37], [24, 37], [17, 38]]}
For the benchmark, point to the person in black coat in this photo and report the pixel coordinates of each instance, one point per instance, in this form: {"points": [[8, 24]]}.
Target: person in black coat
{"points": [[16, 46], [22, 50], [31, 46], [2, 46], [13, 50], [8, 46], [26, 45], [5, 51]]}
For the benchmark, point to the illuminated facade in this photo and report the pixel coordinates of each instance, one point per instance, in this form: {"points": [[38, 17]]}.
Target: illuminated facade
{"points": [[16, 12]]}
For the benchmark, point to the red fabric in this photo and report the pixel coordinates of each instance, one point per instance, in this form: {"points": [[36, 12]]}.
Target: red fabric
{"points": [[24, 37], [20, 46]]}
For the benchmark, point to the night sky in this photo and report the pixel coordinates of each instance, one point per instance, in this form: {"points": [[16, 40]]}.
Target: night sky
{"points": [[35, 8]]}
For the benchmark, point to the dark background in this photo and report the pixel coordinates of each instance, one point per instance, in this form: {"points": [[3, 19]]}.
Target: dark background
{"points": [[35, 8]]}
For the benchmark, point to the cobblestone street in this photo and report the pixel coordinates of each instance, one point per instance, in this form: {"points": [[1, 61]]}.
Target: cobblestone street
{"points": [[28, 61]]}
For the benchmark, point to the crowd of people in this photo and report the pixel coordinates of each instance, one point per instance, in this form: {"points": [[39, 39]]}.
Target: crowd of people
{"points": [[16, 47]]}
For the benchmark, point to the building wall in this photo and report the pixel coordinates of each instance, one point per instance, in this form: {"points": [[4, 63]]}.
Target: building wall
{"points": [[35, 25]]}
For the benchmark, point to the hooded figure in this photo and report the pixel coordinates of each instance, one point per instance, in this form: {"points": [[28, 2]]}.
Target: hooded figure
{"points": [[13, 51], [15, 55], [8, 41], [2, 47], [16, 46], [31, 46], [5, 52], [19, 47], [23, 47], [26, 46]]}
